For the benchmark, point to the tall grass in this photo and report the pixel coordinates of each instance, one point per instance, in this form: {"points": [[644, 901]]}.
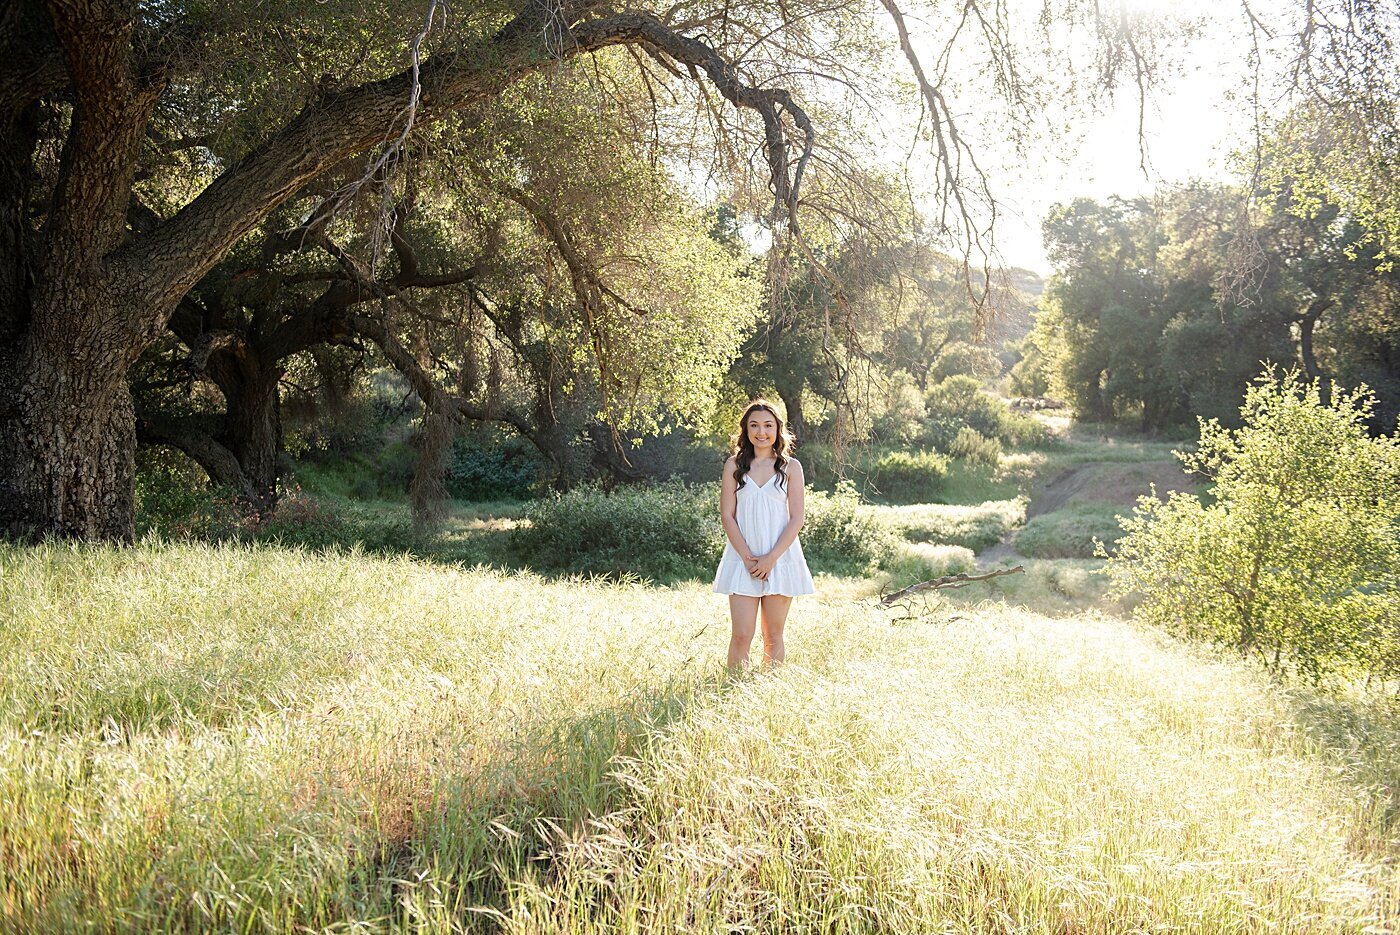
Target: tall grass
{"points": [[246, 738]]}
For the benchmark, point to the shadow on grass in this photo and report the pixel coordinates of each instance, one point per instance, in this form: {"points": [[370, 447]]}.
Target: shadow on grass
{"points": [[485, 836], [1358, 733], [487, 542]]}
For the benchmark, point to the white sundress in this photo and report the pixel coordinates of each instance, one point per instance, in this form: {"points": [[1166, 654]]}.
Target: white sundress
{"points": [[762, 513]]}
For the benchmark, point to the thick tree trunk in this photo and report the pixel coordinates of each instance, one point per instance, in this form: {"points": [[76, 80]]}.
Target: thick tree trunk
{"points": [[1307, 325], [196, 437], [796, 419], [239, 450], [18, 138], [244, 464], [254, 435], [67, 425], [248, 376], [67, 442]]}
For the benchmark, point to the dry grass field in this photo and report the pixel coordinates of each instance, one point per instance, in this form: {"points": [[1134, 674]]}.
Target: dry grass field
{"points": [[254, 739]]}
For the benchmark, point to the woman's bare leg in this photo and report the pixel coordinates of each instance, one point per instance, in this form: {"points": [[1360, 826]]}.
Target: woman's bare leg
{"points": [[743, 614], [775, 611]]}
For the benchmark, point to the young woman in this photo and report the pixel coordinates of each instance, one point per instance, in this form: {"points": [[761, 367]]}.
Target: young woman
{"points": [[760, 505]]}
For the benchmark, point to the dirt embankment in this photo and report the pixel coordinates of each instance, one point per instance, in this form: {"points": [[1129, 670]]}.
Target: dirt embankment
{"points": [[1108, 482]]}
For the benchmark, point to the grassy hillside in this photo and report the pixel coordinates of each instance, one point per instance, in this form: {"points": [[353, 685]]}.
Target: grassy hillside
{"points": [[253, 739]]}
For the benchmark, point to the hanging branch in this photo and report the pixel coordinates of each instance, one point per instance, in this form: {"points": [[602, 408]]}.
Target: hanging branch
{"points": [[409, 114], [950, 153]]}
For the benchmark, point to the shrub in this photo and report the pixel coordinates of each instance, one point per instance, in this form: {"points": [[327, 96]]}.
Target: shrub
{"points": [[358, 476], [971, 445], [173, 498], [1022, 431], [904, 414], [920, 561], [666, 532], [1030, 376], [960, 403], [324, 523], [839, 535], [1070, 533], [1297, 561], [480, 472], [909, 477], [973, 527]]}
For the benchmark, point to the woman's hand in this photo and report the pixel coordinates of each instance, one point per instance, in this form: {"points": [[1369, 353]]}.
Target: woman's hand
{"points": [[751, 563], [763, 566]]}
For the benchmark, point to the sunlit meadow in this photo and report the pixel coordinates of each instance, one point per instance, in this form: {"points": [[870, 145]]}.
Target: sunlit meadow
{"points": [[248, 739]]}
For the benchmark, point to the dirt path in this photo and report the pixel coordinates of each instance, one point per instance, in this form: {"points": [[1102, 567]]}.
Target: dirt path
{"points": [[1108, 482], [1113, 483]]}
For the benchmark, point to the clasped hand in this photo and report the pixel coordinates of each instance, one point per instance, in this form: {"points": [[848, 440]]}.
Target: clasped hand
{"points": [[760, 566]]}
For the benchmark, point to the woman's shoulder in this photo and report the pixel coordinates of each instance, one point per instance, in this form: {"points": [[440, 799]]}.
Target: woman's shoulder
{"points": [[793, 462], [730, 463]]}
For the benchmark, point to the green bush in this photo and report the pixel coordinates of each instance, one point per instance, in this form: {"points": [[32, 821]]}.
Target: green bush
{"points": [[325, 523], [971, 445], [1070, 533], [959, 403], [480, 472], [1296, 562], [904, 414], [976, 527], [920, 561], [839, 535], [1022, 431], [358, 476], [174, 499], [664, 532], [909, 476]]}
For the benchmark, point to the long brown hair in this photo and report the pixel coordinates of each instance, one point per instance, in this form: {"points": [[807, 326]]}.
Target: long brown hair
{"points": [[783, 442]]}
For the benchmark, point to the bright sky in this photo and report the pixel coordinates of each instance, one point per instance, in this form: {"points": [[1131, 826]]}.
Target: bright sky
{"points": [[1188, 135], [1200, 113]]}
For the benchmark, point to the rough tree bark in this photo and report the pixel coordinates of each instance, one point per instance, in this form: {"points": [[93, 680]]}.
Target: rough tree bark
{"points": [[240, 448], [67, 428]]}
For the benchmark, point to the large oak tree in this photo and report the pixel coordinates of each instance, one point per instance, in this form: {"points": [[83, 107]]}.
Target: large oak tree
{"points": [[82, 294]]}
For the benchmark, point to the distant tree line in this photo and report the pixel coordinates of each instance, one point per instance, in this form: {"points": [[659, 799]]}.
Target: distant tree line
{"points": [[1163, 309]]}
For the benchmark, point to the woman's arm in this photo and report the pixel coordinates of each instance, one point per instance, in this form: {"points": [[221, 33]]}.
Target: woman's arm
{"points": [[728, 504], [796, 502]]}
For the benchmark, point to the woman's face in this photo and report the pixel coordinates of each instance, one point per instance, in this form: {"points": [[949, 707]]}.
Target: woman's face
{"points": [[762, 428]]}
